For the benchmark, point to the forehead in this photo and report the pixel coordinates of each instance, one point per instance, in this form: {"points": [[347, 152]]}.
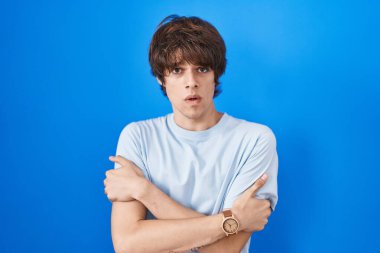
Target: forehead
{"points": [[187, 65], [187, 58]]}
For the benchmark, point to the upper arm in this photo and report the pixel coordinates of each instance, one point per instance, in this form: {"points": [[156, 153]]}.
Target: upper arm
{"points": [[130, 147], [263, 159], [125, 215], [124, 218]]}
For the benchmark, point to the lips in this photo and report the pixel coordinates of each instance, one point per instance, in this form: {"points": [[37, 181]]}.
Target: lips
{"points": [[193, 100]]}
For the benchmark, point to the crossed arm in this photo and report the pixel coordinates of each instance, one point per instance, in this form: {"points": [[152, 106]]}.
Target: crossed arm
{"points": [[138, 235], [164, 207], [178, 228]]}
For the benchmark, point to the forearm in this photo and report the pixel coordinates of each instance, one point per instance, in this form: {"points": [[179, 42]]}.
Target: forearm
{"points": [[164, 235], [164, 207], [230, 244]]}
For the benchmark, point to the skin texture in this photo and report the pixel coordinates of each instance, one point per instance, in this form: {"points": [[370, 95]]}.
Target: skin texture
{"points": [[178, 228], [251, 212], [186, 80]]}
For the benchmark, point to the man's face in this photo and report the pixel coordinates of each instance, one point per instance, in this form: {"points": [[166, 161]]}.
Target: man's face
{"points": [[190, 90]]}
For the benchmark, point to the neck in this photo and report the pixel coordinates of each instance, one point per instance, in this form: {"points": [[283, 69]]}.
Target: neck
{"points": [[201, 123]]}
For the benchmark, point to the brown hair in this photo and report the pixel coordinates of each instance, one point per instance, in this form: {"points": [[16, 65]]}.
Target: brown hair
{"points": [[186, 39]]}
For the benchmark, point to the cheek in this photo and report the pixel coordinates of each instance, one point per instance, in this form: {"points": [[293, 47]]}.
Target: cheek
{"points": [[211, 83], [173, 94], [209, 90]]}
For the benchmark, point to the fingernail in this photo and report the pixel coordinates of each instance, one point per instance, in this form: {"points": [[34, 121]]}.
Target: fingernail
{"points": [[264, 177]]}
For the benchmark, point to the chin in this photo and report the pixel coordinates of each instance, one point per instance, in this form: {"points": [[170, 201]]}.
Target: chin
{"points": [[194, 115], [191, 113]]}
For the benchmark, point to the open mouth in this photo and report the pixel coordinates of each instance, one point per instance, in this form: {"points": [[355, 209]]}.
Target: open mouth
{"points": [[193, 99]]}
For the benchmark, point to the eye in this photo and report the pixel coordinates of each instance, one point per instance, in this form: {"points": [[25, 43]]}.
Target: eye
{"points": [[176, 70], [203, 69]]}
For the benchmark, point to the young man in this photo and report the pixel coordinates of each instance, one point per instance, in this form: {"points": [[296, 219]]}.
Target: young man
{"points": [[195, 180]]}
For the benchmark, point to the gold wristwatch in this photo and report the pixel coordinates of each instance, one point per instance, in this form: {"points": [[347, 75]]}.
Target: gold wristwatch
{"points": [[230, 225]]}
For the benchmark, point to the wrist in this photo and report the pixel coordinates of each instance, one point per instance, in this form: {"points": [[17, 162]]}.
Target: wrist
{"points": [[236, 215], [230, 225], [142, 189]]}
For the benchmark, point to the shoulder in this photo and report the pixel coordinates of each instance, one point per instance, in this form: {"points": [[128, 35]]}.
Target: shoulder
{"points": [[144, 126], [253, 130]]}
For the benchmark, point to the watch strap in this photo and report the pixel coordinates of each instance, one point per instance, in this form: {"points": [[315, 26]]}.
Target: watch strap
{"points": [[227, 213]]}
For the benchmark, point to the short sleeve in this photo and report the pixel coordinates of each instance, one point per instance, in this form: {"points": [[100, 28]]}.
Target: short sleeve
{"points": [[263, 159], [129, 146]]}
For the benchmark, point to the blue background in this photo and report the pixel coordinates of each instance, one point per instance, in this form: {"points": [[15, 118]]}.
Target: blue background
{"points": [[73, 73]]}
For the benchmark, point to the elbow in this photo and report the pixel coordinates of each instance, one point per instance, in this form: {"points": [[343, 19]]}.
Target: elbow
{"points": [[125, 241], [124, 245], [120, 246]]}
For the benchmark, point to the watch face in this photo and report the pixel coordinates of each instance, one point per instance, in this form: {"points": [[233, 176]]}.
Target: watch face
{"points": [[230, 225]]}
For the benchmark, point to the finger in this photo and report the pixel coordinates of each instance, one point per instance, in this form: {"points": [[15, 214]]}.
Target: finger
{"points": [[257, 185], [119, 159], [268, 212], [108, 173]]}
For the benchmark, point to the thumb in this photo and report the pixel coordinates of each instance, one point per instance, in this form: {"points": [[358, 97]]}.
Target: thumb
{"points": [[257, 185], [119, 159]]}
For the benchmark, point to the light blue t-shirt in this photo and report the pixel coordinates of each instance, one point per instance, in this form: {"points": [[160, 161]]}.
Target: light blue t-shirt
{"points": [[203, 170]]}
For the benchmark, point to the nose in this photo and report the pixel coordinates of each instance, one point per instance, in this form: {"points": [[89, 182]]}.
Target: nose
{"points": [[191, 81]]}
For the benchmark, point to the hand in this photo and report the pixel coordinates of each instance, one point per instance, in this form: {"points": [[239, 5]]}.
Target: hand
{"points": [[124, 183], [252, 213]]}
